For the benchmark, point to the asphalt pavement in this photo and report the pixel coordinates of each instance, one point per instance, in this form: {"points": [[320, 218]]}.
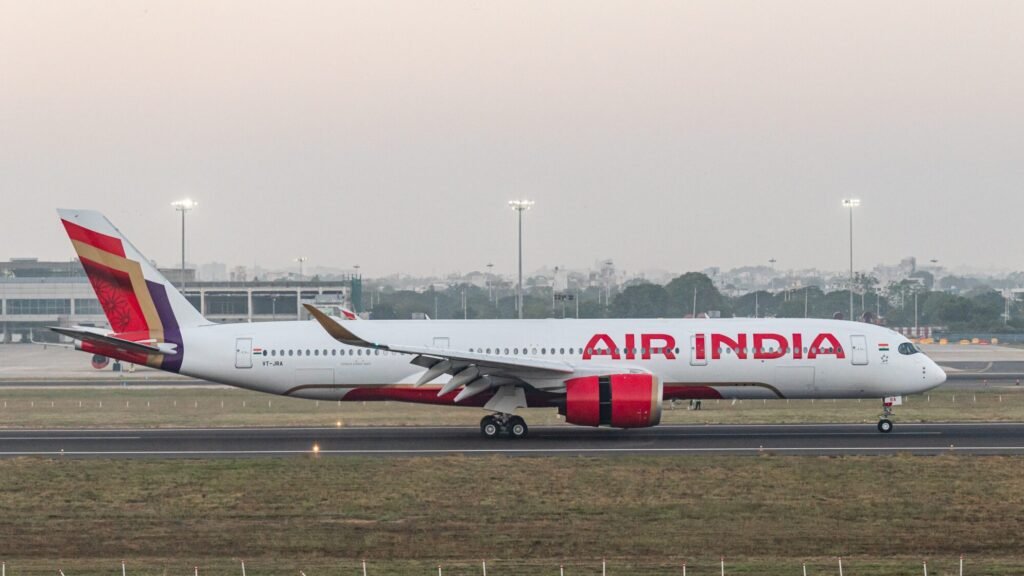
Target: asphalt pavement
{"points": [[678, 440]]}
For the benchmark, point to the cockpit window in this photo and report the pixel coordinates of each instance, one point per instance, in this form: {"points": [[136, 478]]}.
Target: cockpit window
{"points": [[908, 348]]}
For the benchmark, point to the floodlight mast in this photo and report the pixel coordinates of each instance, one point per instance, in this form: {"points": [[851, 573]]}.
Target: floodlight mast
{"points": [[183, 206], [520, 206], [851, 203]]}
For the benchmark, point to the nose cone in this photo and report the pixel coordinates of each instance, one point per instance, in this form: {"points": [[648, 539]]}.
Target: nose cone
{"points": [[935, 375]]}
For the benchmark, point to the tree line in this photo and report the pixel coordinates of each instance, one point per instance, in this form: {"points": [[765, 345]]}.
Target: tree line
{"points": [[980, 308]]}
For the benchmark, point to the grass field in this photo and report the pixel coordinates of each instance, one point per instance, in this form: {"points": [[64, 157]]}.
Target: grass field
{"points": [[161, 407], [526, 516]]}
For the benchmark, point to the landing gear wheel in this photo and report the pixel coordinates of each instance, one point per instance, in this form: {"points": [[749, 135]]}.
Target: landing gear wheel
{"points": [[517, 428], [489, 427], [885, 426]]}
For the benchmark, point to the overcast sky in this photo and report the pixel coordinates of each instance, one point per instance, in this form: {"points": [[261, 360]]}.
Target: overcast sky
{"points": [[672, 135]]}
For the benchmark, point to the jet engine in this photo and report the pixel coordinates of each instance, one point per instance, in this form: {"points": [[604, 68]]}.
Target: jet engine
{"points": [[617, 400]]}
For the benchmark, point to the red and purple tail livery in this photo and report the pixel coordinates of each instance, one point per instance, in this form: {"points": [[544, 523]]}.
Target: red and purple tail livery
{"points": [[139, 303]]}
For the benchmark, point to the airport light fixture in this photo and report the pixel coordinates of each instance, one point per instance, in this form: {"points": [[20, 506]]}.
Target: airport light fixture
{"points": [[183, 206], [301, 260], [490, 282], [520, 206], [851, 203]]}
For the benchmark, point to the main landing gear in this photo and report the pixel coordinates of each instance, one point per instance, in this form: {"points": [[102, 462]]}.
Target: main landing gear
{"points": [[498, 424], [884, 424]]}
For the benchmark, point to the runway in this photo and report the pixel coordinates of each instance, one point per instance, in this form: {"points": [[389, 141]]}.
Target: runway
{"points": [[677, 440]]}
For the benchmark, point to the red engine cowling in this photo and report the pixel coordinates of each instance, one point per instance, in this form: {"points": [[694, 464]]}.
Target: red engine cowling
{"points": [[618, 400]]}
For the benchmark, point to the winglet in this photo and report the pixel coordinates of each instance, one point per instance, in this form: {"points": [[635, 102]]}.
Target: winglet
{"points": [[335, 329]]}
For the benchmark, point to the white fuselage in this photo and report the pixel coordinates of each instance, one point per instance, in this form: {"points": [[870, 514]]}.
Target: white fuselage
{"points": [[727, 358]]}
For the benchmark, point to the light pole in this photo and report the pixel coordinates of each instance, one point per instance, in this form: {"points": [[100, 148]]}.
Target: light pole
{"points": [[520, 206], [183, 206], [917, 328], [490, 282], [301, 260], [851, 203]]}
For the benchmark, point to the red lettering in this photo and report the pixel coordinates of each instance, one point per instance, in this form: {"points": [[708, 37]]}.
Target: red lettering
{"points": [[739, 345], [818, 347], [698, 342], [665, 342], [798, 346], [631, 347], [594, 349], [761, 353]]}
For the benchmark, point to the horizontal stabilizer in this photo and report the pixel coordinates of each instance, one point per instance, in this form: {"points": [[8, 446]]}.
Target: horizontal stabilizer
{"points": [[113, 341]]}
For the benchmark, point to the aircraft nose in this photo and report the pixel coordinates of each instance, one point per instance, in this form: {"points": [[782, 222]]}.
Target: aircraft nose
{"points": [[936, 375]]}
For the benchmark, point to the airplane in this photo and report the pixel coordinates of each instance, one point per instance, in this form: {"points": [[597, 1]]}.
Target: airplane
{"points": [[613, 373]]}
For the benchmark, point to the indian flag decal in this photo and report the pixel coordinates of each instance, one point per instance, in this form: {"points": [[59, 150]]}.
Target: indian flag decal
{"points": [[883, 347]]}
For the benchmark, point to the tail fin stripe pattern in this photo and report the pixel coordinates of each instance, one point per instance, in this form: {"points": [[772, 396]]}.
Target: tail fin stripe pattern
{"points": [[136, 308], [171, 330], [94, 239]]}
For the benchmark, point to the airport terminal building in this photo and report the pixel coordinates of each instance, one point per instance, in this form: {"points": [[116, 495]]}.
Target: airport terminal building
{"points": [[35, 294]]}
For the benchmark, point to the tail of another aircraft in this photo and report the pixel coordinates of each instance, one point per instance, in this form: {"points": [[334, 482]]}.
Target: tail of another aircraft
{"points": [[140, 304]]}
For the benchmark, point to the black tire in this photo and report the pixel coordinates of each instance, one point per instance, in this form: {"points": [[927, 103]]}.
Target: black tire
{"points": [[517, 428], [885, 426], [489, 427]]}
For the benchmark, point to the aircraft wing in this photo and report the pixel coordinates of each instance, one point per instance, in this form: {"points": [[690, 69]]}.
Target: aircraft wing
{"points": [[112, 341], [470, 370]]}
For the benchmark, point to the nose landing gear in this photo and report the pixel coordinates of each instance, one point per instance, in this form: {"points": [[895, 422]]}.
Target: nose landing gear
{"points": [[498, 424], [885, 424]]}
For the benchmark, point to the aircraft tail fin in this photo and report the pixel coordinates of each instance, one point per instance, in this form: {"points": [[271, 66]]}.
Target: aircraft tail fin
{"points": [[139, 302]]}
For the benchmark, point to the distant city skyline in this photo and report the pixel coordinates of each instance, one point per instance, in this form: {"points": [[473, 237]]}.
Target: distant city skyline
{"points": [[206, 271]]}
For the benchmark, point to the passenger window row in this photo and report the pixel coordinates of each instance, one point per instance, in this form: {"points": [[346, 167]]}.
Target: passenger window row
{"points": [[326, 352]]}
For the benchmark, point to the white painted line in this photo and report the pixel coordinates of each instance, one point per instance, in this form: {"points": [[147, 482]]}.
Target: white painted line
{"points": [[515, 451], [253, 429], [351, 428], [871, 432], [36, 438]]}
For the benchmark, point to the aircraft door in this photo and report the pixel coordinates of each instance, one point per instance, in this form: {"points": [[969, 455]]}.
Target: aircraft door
{"points": [[698, 354], [243, 353], [859, 350]]}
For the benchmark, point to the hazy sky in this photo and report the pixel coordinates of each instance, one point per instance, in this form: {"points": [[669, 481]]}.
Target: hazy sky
{"points": [[673, 135]]}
